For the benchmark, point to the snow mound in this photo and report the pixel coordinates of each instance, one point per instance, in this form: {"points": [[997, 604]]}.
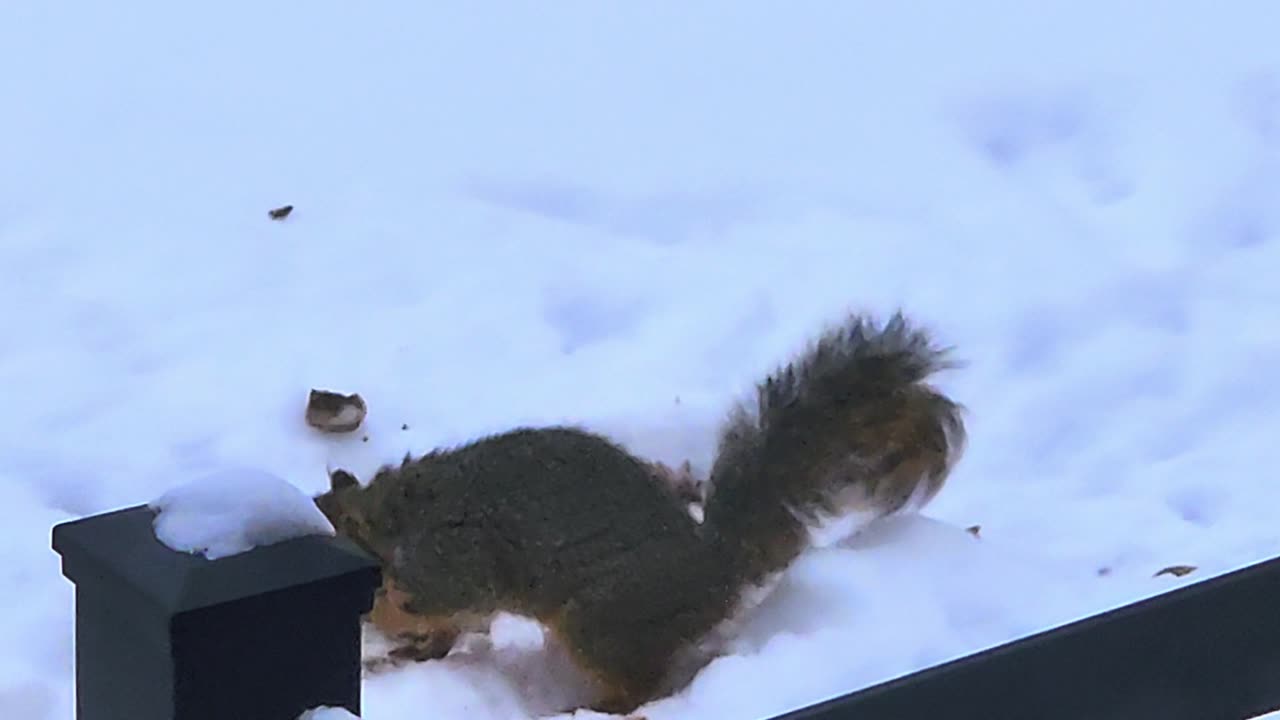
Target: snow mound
{"points": [[325, 712], [233, 511]]}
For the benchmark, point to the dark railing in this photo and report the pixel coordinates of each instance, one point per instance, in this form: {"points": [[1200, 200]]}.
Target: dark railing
{"points": [[1208, 651], [267, 634]]}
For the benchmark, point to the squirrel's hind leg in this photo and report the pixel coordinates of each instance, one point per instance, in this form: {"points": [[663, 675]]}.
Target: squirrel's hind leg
{"points": [[626, 671]]}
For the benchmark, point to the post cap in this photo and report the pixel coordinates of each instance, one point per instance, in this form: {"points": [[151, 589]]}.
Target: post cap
{"points": [[120, 547]]}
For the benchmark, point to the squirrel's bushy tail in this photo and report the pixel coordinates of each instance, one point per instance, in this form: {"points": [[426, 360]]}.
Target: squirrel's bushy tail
{"points": [[850, 425]]}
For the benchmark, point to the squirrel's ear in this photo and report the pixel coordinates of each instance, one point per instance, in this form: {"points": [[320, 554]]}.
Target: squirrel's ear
{"points": [[341, 480]]}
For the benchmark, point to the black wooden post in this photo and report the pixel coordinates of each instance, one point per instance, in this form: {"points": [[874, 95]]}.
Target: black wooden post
{"points": [[166, 635], [1208, 651]]}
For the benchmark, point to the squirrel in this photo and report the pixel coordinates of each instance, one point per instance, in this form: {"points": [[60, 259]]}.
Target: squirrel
{"points": [[565, 526]]}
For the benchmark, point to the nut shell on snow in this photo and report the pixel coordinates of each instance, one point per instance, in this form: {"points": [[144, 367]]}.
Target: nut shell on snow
{"points": [[334, 412]]}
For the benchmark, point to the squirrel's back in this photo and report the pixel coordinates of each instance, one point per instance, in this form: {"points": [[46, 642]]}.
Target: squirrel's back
{"points": [[540, 513]]}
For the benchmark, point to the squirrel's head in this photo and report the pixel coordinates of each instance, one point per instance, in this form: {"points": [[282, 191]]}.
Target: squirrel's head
{"points": [[342, 505]]}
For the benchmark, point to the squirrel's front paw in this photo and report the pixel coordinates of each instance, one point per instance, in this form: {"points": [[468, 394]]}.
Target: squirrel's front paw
{"points": [[416, 647], [411, 648], [375, 665]]}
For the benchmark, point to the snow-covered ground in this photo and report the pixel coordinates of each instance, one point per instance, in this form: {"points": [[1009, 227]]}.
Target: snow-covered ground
{"points": [[622, 215]]}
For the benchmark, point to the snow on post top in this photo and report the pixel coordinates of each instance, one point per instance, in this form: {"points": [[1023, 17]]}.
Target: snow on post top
{"points": [[233, 511], [325, 712]]}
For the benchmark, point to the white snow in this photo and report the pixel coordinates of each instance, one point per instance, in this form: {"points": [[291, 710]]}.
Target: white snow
{"points": [[621, 215], [325, 712], [233, 511]]}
